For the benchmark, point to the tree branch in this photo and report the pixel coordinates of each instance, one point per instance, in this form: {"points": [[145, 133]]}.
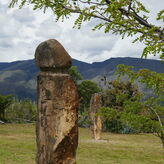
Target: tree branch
{"points": [[134, 14], [86, 14], [159, 119], [94, 3], [139, 19]]}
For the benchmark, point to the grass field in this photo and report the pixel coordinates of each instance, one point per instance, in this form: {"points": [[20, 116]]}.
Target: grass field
{"points": [[17, 146]]}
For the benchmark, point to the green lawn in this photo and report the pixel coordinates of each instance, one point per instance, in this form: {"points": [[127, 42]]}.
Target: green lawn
{"points": [[17, 146]]}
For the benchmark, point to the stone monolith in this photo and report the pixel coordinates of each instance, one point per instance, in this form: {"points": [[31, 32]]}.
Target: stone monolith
{"points": [[56, 127], [95, 119]]}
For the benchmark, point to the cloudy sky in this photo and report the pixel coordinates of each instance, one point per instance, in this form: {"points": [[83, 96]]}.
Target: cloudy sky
{"points": [[22, 30]]}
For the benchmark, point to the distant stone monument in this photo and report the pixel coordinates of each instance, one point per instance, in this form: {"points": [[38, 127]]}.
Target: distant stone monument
{"points": [[56, 127], [96, 122]]}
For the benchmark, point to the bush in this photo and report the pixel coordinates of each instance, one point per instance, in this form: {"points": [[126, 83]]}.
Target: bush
{"points": [[83, 119], [21, 112]]}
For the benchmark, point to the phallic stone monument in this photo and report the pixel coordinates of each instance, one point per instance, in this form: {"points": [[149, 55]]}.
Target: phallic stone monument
{"points": [[56, 127], [96, 122]]}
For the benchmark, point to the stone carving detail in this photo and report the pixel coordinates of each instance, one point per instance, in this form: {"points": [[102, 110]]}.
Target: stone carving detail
{"points": [[96, 123], [56, 127]]}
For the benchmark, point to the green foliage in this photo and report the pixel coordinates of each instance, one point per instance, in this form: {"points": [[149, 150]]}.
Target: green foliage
{"points": [[109, 113], [118, 96], [133, 107], [118, 93], [138, 123], [151, 79], [124, 104], [76, 76], [149, 114], [86, 89], [125, 18], [161, 15], [83, 119], [116, 126], [5, 101], [23, 111]]}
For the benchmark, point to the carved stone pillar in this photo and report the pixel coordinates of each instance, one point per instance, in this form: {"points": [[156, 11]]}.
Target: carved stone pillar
{"points": [[56, 127], [96, 123]]}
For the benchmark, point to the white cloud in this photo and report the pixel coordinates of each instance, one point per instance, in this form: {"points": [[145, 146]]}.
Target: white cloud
{"points": [[86, 44], [49, 29], [22, 30]]}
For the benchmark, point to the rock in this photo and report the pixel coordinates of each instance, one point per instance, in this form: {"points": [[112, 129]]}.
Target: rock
{"points": [[96, 122], [56, 127], [51, 55]]}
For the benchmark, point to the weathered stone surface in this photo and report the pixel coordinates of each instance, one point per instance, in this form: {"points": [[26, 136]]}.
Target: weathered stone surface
{"points": [[56, 127], [51, 54], [96, 122]]}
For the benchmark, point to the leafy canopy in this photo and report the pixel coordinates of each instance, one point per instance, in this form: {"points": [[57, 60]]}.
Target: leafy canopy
{"points": [[76, 76], [119, 92], [151, 110], [122, 17], [131, 111], [86, 89], [115, 100]]}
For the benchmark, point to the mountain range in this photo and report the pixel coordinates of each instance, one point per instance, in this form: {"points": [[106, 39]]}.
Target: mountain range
{"points": [[19, 78]]}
